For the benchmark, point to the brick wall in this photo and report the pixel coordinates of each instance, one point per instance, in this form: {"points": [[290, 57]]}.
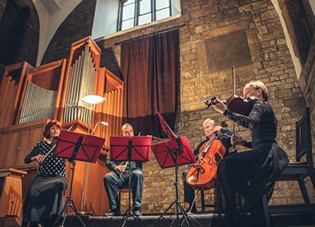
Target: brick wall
{"points": [[270, 62]]}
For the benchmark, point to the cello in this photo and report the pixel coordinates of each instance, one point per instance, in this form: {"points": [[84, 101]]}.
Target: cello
{"points": [[203, 173]]}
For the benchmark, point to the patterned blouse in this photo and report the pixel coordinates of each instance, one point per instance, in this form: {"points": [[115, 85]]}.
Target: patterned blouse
{"points": [[51, 166]]}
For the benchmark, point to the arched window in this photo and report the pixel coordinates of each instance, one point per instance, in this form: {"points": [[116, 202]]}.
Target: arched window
{"points": [[138, 12]]}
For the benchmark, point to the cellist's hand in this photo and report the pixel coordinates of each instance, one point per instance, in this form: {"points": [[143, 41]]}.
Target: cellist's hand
{"points": [[219, 106]]}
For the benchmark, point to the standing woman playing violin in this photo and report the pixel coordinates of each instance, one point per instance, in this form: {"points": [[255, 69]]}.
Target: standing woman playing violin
{"points": [[44, 199], [252, 173]]}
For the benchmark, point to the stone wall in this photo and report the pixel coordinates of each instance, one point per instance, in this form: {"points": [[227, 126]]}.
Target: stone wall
{"points": [[203, 75]]}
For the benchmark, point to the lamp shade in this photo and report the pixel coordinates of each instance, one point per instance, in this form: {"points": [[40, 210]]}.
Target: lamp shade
{"points": [[93, 99]]}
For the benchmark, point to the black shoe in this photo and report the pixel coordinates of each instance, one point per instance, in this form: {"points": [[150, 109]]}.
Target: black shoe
{"points": [[112, 213], [137, 212], [33, 224]]}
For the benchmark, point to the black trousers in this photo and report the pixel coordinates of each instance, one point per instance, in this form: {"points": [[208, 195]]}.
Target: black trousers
{"points": [[189, 192], [114, 180]]}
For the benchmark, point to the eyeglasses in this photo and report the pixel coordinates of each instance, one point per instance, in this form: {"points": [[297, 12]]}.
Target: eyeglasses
{"points": [[207, 127]]}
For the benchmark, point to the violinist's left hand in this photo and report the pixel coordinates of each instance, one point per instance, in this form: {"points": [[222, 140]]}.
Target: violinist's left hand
{"points": [[237, 140], [219, 106]]}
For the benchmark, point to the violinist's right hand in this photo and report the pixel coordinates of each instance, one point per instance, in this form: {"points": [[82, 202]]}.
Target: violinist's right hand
{"points": [[38, 158], [219, 106], [237, 140], [120, 168]]}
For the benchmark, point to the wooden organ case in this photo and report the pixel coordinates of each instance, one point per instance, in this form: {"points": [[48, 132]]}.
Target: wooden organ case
{"points": [[31, 96]]}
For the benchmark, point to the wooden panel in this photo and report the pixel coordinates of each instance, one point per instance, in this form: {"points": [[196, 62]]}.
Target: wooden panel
{"points": [[13, 145], [80, 127], [11, 196], [4, 141], [19, 140], [95, 186], [112, 114], [29, 138], [10, 92], [96, 199]]}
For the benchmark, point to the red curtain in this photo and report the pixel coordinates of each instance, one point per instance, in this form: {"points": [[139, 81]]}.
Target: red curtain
{"points": [[150, 69]]}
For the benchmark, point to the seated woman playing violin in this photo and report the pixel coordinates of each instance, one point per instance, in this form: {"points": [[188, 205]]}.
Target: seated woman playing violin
{"points": [[251, 174], [44, 199], [209, 129]]}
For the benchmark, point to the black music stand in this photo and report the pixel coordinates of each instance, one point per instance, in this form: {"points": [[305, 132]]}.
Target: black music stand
{"points": [[76, 146], [174, 152], [133, 148]]}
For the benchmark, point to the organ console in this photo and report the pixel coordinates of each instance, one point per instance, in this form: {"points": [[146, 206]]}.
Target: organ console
{"points": [[30, 96]]}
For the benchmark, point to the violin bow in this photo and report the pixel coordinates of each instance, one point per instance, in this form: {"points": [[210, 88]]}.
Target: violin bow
{"points": [[234, 92]]}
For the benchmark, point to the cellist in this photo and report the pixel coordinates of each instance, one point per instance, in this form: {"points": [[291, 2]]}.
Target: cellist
{"points": [[209, 129], [252, 173]]}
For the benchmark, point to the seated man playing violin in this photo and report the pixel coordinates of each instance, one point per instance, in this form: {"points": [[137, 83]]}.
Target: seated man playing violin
{"points": [[209, 129]]}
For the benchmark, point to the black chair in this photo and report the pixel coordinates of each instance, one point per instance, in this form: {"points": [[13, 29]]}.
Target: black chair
{"points": [[298, 170], [217, 203]]}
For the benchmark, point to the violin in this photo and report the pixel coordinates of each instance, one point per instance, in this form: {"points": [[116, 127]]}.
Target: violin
{"points": [[203, 173], [236, 104]]}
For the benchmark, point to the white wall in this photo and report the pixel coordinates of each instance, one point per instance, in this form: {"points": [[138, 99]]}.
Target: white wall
{"points": [[105, 18], [51, 14]]}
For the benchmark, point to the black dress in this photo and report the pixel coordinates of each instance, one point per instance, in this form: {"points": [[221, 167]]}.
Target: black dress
{"points": [[45, 195], [253, 173]]}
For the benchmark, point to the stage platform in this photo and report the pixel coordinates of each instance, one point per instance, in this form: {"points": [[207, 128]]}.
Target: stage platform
{"points": [[206, 220]]}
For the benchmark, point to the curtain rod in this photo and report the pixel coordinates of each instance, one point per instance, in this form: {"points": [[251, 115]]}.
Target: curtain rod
{"points": [[154, 33]]}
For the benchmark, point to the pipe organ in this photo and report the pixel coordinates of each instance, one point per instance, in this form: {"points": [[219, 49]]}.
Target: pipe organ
{"points": [[43, 107], [30, 96], [81, 83]]}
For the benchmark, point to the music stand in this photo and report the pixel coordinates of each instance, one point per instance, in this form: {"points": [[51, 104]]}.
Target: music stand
{"points": [[131, 148], [76, 146], [174, 152]]}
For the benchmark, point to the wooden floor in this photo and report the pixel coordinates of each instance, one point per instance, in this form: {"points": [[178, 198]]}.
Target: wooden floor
{"points": [[208, 219]]}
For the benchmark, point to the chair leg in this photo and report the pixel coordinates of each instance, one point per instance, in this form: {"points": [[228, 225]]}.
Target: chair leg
{"points": [[219, 200], [312, 175], [119, 200], [304, 192], [203, 202], [266, 212]]}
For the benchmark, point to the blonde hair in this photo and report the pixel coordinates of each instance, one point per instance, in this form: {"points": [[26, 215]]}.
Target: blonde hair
{"points": [[124, 126], [258, 84]]}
